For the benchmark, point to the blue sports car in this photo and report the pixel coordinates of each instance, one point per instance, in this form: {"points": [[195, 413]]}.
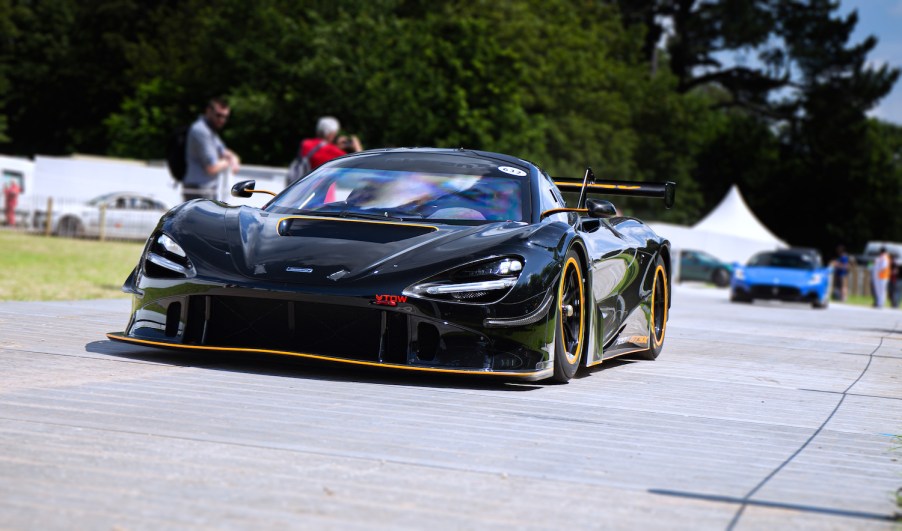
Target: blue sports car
{"points": [[795, 275]]}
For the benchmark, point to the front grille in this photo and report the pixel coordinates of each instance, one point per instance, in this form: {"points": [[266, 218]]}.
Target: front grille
{"points": [[328, 330], [776, 292], [367, 333]]}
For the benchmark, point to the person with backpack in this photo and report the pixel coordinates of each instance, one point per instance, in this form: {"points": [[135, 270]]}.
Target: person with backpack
{"points": [[207, 158], [314, 152]]}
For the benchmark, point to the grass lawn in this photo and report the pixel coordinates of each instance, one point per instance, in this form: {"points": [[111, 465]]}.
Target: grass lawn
{"points": [[42, 268]]}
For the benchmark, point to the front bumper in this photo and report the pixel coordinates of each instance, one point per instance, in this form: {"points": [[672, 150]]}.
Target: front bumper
{"points": [[781, 292], [414, 336]]}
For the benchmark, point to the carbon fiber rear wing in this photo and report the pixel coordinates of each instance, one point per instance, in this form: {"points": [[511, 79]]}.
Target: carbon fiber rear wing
{"points": [[665, 190]]}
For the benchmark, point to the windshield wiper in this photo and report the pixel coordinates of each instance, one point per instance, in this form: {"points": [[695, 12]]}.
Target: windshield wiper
{"points": [[368, 215], [348, 214], [324, 213]]}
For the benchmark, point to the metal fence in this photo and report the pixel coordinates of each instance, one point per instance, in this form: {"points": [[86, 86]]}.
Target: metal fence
{"points": [[115, 217], [860, 280]]}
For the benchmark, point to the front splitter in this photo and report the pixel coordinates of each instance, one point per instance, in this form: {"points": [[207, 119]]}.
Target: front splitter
{"points": [[525, 376]]}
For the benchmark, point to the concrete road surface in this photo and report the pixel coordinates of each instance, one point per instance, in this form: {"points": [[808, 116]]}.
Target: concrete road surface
{"points": [[755, 416]]}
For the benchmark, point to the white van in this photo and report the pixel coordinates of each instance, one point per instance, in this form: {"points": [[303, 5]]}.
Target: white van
{"points": [[872, 249]]}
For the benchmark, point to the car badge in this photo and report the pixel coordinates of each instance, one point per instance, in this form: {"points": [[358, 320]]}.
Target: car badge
{"points": [[338, 274], [291, 269]]}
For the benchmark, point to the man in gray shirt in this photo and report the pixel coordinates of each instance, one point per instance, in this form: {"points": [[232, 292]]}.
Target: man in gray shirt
{"points": [[207, 155]]}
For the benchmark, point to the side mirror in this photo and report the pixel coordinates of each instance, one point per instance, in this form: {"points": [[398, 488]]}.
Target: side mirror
{"points": [[243, 189], [600, 208]]}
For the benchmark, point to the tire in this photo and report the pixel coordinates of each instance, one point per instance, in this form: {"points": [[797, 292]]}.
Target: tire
{"points": [[821, 305], [657, 321], [720, 278], [570, 324], [735, 297], [69, 227]]}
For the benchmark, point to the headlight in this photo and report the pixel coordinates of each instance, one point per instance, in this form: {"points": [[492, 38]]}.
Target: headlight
{"points": [[165, 258], [169, 245], [739, 274], [816, 278], [481, 282]]}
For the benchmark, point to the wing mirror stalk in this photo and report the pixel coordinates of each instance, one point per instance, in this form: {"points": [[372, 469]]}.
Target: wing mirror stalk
{"points": [[246, 189]]}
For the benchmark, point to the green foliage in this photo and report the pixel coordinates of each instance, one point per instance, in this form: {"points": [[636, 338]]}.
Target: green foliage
{"points": [[558, 83], [7, 27], [829, 144], [792, 130], [564, 83]]}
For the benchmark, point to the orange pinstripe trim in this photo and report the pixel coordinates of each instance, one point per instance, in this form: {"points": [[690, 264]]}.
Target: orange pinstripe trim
{"points": [[120, 337]]}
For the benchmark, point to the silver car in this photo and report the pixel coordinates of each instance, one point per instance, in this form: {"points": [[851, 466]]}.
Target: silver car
{"points": [[119, 215]]}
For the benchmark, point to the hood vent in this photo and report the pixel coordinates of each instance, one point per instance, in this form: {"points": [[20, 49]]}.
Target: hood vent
{"points": [[351, 229]]}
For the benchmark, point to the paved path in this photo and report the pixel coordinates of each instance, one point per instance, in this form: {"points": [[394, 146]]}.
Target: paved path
{"points": [[754, 417]]}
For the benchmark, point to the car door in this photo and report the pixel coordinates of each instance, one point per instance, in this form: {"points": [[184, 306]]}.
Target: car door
{"points": [[116, 216], [618, 271], [692, 267], [131, 216], [143, 217]]}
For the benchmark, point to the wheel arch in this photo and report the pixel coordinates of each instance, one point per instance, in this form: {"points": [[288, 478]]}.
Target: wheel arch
{"points": [[579, 248], [592, 335], [665, 256], [65, 219]]}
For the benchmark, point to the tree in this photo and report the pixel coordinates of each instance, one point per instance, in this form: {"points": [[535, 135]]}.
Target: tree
{"points": [[702, 38], [794, 122], [829, 148], [59, 90], [7, 27], [557, 82]]}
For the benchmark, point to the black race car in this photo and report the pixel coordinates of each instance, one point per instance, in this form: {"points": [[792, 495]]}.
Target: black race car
{"points": [[439, 260]]}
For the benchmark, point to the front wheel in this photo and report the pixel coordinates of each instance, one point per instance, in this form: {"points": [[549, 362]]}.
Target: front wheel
{"points": [[736, 297], [720, 278], [570, 324], [657, 320], [69, 227]]}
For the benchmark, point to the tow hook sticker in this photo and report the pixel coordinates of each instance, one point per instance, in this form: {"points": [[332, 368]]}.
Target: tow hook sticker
{"points": [[389, 300]]}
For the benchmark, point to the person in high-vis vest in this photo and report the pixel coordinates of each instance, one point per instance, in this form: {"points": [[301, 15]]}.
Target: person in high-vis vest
{"points": [[880, 273]]}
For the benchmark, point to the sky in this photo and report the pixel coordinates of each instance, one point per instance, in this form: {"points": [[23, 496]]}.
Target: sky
{"points": [[883, 19]]}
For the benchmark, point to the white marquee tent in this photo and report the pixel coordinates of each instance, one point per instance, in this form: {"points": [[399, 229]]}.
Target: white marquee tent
{"points": [[730, 232]]}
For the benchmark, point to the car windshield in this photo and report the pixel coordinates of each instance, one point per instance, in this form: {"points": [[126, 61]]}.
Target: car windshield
{"points": [[97, 201], [450, 192], [701, 256], [787, 260]]}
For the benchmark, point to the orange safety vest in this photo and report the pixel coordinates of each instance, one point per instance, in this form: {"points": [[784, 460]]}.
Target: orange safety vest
{"points": [[883, 272]]}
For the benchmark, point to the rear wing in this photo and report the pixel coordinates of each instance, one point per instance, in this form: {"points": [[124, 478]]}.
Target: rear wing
{"points": [[665, 190]]}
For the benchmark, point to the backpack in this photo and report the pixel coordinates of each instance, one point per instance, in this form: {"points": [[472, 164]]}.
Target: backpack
{"points": [[177, 153], [301, 166]]}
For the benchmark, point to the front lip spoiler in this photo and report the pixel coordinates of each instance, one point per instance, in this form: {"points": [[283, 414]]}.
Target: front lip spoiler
{"points": [[525, 376]]}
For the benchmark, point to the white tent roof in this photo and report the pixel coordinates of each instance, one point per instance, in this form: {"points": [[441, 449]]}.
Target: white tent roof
{"points": [[733, 217], [730, 232]]}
